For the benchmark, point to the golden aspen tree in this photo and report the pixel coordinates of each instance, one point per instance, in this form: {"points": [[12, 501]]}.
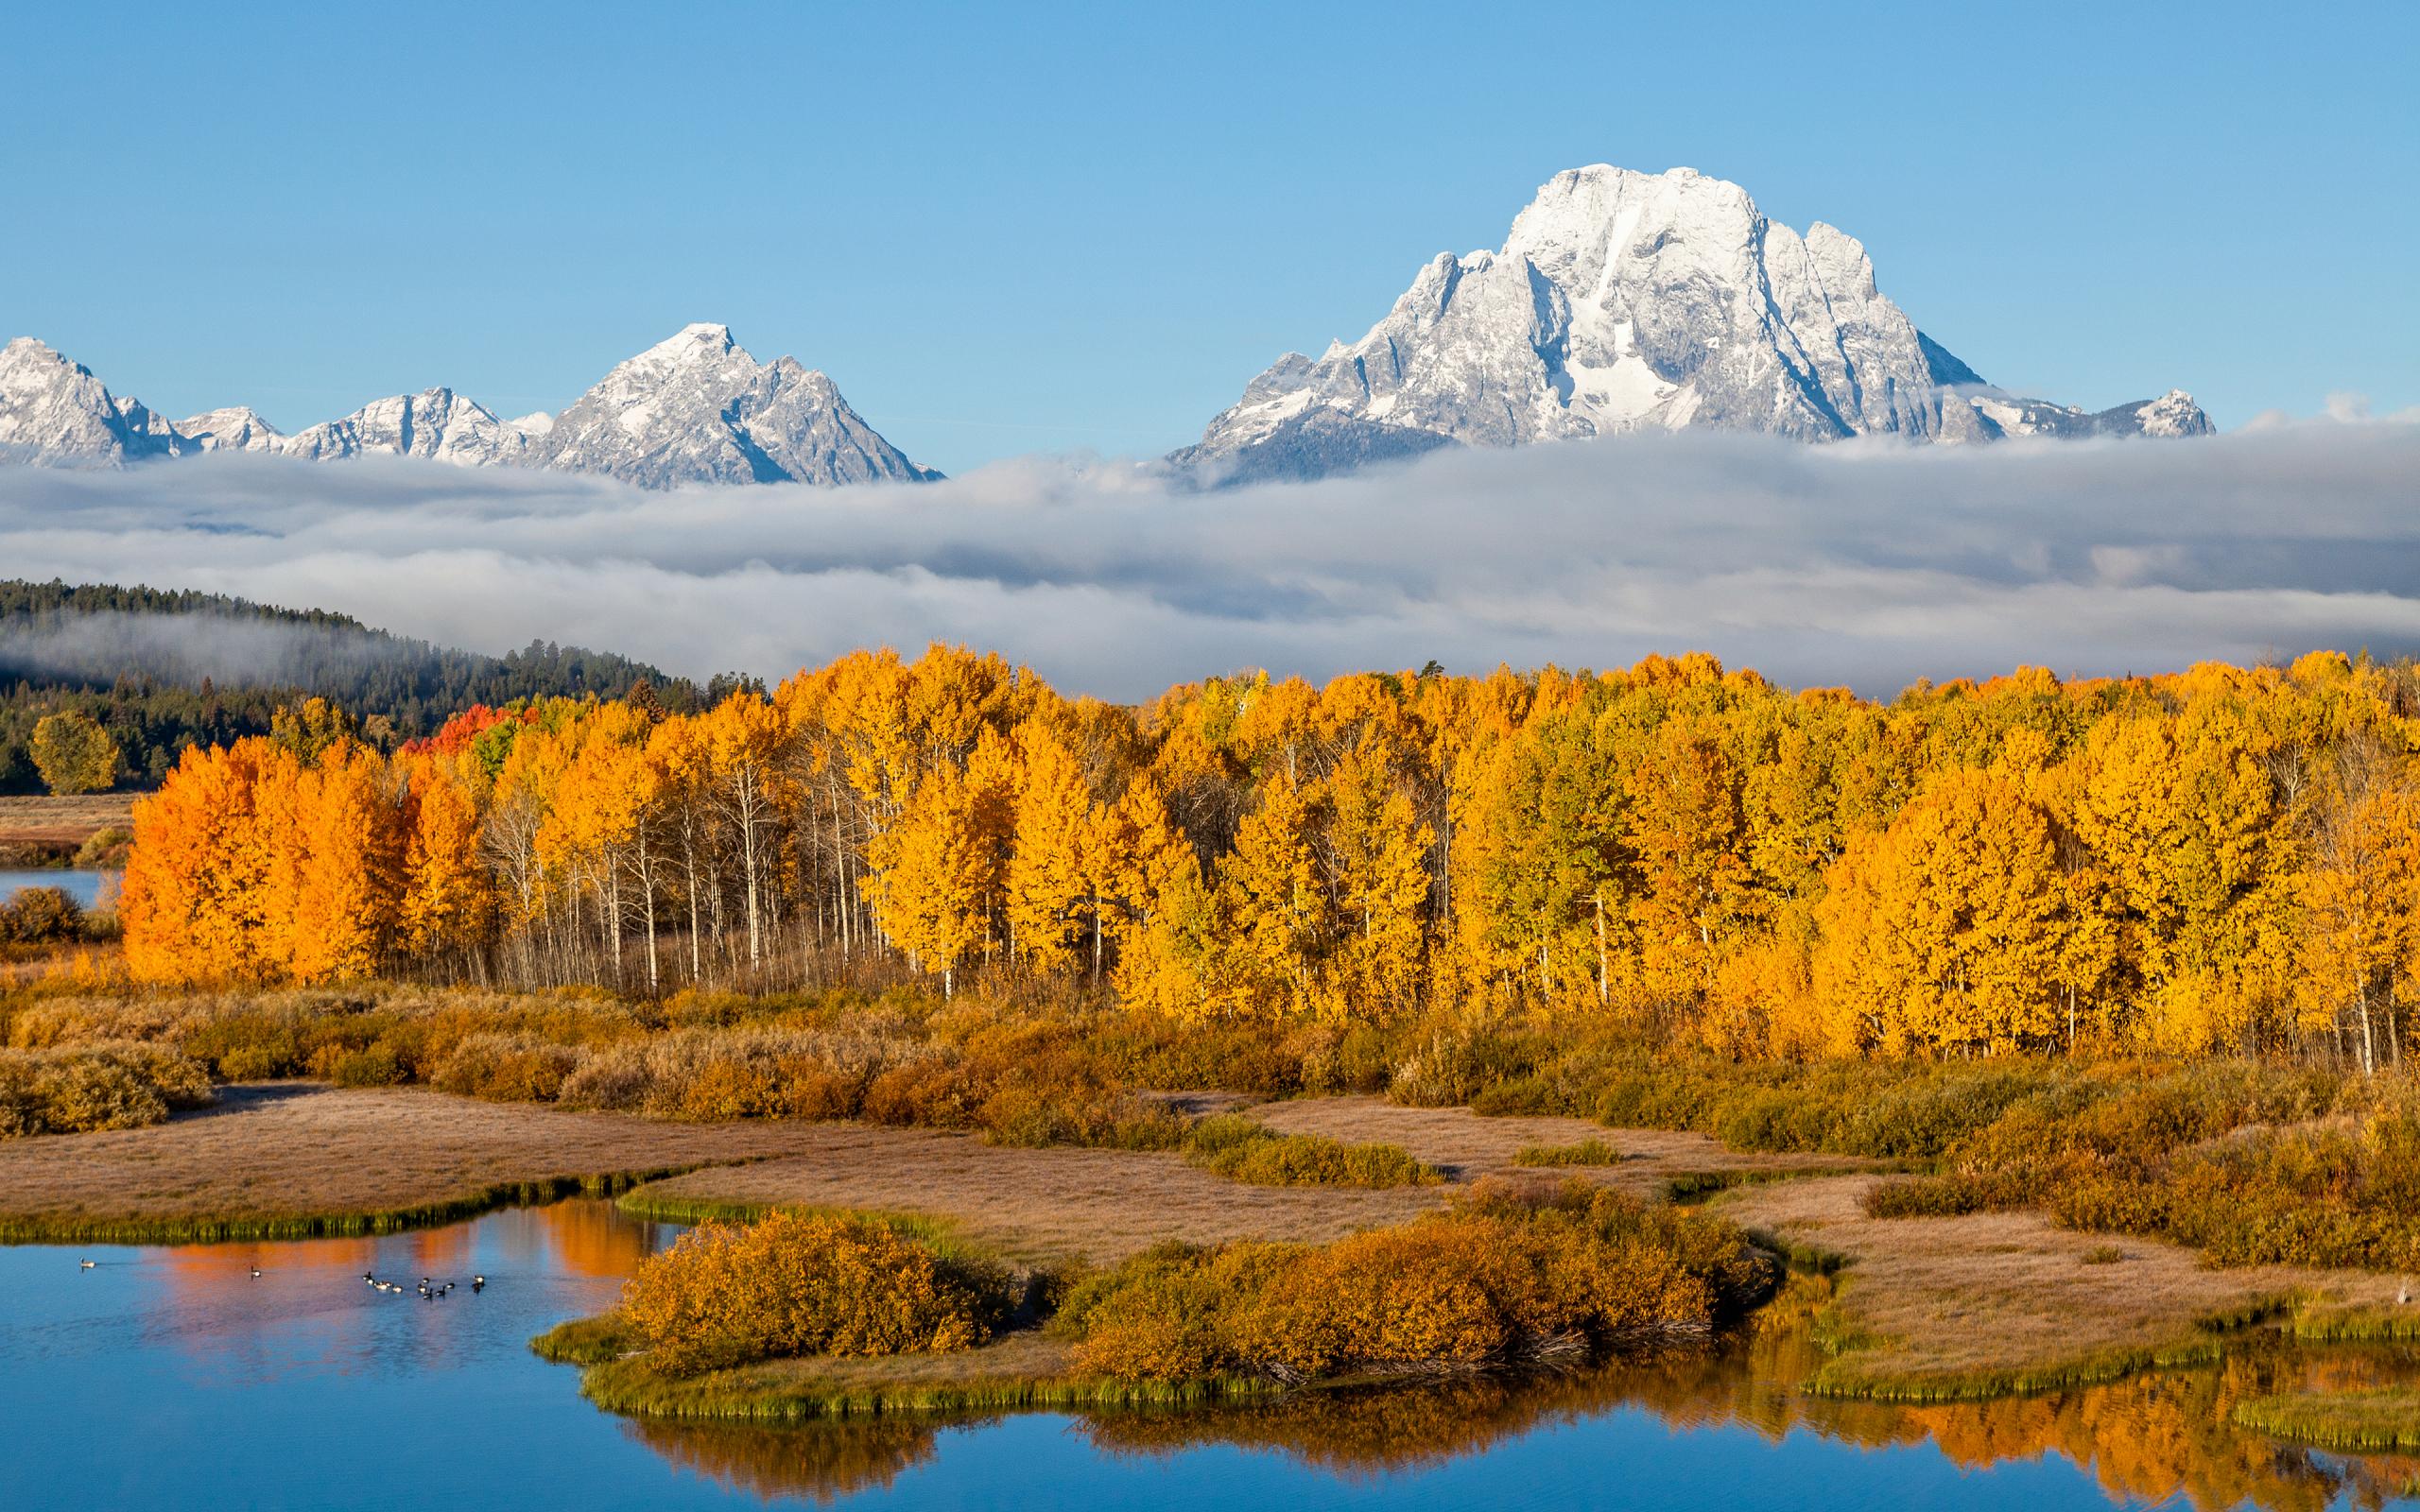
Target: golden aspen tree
{"points": [[929, 876], [1947, 929], [2358, 899], [1379, 851], [351, 836], [1052, 908], [1272, 902], [448, 900], [1154, 902], [1688, 829], [743, 739], [194, 896]]}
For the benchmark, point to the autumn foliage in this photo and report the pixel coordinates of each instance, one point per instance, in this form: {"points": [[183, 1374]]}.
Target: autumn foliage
{"points": [[2221, 860], [793, 1284], [1496, 1281]]}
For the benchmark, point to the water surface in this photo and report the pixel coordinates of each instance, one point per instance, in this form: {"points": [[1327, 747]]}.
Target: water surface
{"points": [[172, 1376], [84, 886]]}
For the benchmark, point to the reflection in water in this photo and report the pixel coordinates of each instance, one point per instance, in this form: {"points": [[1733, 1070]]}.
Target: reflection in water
{"points": [[2168, 1438], [302, 1387], [823, 1462], [250, 1310]]}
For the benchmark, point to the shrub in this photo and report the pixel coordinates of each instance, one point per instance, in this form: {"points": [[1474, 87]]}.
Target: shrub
{"points": [[1243, 1149], [1591, 1151], [101, 1086], [41, 916], [1496, 1281], [514, 1067], [793, 1284], [1922, 1197]]}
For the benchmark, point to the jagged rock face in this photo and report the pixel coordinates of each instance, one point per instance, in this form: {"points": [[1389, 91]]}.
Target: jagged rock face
{"points": [[437, 423], [2171, 414], [1620, 301], [694, 410], [698, 409], [233, 429], [55, 412]]}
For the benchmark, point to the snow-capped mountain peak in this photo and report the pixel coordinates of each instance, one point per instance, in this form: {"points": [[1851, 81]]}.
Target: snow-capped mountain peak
{"points": [[692, 408], [55, 412], [235, 428], [1620, 301], [697, 408]]}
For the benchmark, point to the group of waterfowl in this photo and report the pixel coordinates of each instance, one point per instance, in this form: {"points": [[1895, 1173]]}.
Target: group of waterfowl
{"points": [[432, 1290]]}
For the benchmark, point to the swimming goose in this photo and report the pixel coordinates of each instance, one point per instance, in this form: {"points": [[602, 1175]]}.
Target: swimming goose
{"points": [[84, 1264], [256, 1272]]}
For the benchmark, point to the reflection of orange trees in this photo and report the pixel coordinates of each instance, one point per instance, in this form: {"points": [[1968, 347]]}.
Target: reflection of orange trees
{"points": [[592, 1239], [825, 1461]]}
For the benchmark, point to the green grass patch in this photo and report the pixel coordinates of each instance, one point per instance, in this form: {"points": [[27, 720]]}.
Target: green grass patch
{"points": [[1244, 1150], [1591, 1151], [2384, 1417], [1853, 1377], [2352, 1325]]}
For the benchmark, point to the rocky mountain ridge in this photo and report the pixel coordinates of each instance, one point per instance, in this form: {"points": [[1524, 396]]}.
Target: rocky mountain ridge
{"points": [[695, 408]]}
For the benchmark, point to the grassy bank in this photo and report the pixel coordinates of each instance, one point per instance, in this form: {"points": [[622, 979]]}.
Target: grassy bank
{"points": [[2381, 1418], [322, 1225]]}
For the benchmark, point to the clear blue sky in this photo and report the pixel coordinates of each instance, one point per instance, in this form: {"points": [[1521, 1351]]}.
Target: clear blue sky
{"points": [[1047, 228]]}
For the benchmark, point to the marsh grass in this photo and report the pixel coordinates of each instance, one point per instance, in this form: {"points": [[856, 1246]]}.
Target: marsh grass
{"points": [[1591, 1151], [2379, 1418], [1241, 1148]]}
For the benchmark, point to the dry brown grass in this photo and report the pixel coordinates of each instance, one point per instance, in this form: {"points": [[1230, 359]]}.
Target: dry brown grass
{"points": [[40, 821], [1997, 1294], [1039, 1205], [1470, 1146], [295, 1152]]}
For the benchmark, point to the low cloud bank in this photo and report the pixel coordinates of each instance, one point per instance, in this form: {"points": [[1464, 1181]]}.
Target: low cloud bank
{"points": [[1865, 564]]}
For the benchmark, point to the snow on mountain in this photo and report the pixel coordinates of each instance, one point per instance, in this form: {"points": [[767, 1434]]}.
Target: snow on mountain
{"points": [[2171, 414], [1627, 302], [694, 410], [436, 423], [55, 412], [697, 408], [235, 428]]}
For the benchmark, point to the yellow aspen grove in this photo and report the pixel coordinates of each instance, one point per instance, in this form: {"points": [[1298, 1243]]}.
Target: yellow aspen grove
{"points": [[1154, 902], [2206, 862], [1689, 830]]}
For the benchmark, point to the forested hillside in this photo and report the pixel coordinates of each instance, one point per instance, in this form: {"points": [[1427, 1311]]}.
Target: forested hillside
{"points": [[163, 670]]}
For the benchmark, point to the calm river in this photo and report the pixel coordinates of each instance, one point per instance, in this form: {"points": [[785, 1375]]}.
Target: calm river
{"points": [[174, 1377]]}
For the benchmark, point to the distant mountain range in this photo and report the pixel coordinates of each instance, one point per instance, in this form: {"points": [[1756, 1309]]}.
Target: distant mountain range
{"points": [[694, 410], [1620, 301]]}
